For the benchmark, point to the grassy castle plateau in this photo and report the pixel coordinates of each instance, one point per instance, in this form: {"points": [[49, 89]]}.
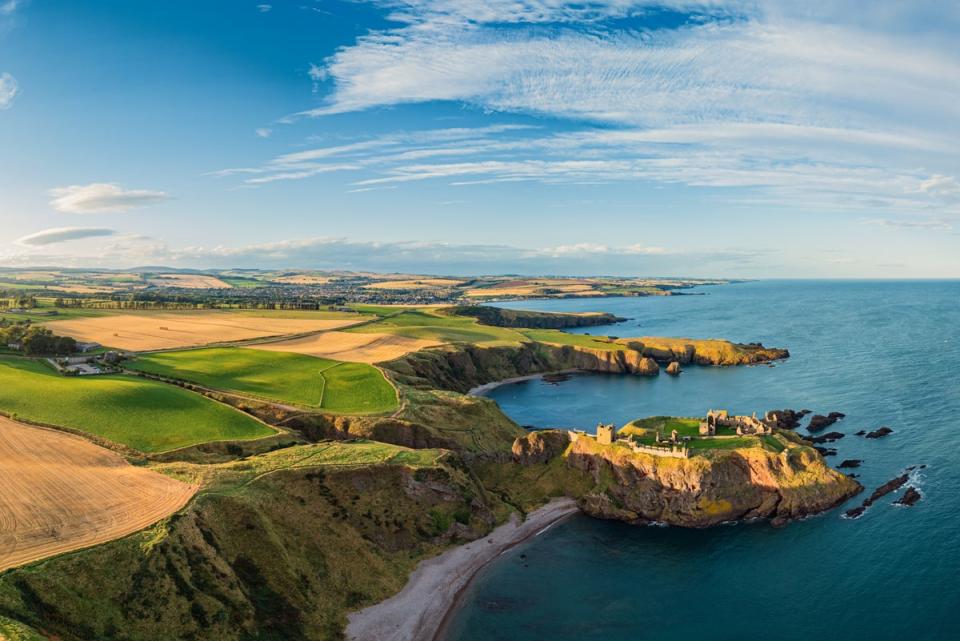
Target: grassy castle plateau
{"points": [[303, 444]]}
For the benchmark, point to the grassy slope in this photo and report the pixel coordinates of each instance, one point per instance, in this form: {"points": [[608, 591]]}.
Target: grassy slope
{"points": [[563, 338], [279, 376], [144, 415], [279, 546], [449, 329]]}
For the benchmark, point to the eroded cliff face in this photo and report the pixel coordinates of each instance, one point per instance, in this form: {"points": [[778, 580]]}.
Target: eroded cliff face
{"points": [[460, 369], [706, 490]]}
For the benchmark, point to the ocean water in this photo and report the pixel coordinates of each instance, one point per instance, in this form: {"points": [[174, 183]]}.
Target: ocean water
{"points": [[884, 353]]}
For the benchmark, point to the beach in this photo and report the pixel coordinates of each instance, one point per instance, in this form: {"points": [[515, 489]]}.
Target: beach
{"points": [[418, 612], [481, 390]]}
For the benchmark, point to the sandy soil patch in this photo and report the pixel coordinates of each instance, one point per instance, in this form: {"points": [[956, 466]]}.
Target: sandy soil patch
{"points": [[189, 281], [169, 330], [82, 289], [346, 346], [62, 493], [419, 611], [415, 283], [533, 288]]}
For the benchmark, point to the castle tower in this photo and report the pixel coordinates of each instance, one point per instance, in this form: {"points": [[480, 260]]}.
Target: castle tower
{"points": [[606, 434]]}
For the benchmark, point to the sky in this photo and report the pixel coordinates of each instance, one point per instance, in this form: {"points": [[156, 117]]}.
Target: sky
{"points": [[703, 139]]}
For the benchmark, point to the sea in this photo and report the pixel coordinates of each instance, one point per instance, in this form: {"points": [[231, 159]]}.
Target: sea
{"points": [[885, 353]]}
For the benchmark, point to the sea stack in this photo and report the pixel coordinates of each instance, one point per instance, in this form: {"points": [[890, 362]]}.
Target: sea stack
{"points": [[673, 369]]}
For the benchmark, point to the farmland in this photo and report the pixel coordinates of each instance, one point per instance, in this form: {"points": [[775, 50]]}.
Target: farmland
{"points": [[63, 493], [347, 388], [425, 325], [142, 414], [144, 331], [351, 347]]}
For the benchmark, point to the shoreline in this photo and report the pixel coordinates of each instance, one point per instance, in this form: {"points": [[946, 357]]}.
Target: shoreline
{"points": [[422, 609], [481, 390]]}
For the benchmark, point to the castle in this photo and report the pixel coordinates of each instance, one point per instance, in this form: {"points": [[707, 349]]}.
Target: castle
{"points": [[745, 425], [607, 435]]}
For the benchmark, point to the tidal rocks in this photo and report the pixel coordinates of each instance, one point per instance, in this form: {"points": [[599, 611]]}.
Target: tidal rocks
{"points": [[647, 367], [855, 513], [860, 433], [850, 462], [673, 369], [825, 451], [890, 486], [909, 498], [829, 437], [786, 419], [539, 447], [819, 421], [880, 433]]}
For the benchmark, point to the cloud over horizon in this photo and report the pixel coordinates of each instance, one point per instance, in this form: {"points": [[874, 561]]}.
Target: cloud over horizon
{"points": [[98, 198], [8, 90], [63, 234]]}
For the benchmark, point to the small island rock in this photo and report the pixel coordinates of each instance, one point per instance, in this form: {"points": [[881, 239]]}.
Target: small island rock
{"points": [[880, 433], [673, 369]]}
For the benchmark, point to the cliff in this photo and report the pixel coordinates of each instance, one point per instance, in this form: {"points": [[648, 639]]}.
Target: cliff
{"points": [[274, 548], [500, 317], [462, 368], [703, 490]]}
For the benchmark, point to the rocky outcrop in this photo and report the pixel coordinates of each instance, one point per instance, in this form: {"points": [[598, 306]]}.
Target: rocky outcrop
{"points": [[909, 498], [463, 368], [703, 491], [819, 421], [786, 419], [500, 317], [829, 437], [703, 352], [879, 433], [540, 447], [673, 369], [850, 462]]}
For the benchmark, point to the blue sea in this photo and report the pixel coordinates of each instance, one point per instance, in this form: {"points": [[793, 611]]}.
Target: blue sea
{"points": [[884, 353]]}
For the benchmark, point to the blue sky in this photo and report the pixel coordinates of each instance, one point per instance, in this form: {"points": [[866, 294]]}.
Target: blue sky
{"points": [[738, 139]]}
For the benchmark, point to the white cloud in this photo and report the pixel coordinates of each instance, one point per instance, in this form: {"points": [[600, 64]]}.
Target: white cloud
{"points": [[102, 198], [263, 132], [7, 8], [264, 8], [8, 90], [63, 234], [940, 185]]}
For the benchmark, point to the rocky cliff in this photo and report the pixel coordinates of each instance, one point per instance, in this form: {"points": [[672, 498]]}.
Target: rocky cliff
{"points": [[462, 368], [704, 490], [500, 317]]}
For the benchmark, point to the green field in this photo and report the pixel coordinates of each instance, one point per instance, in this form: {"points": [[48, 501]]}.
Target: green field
{"points": [[645, 429], [563, 338], [448, 329], [343, 388], [146, 415]]}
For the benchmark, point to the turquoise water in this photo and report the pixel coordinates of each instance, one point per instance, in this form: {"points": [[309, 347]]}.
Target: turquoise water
{"points": [[884, 353]]}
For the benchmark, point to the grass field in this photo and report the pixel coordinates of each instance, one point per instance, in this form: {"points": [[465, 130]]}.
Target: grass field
{"points": [[445, 329], [62, 493], [344, 388], [563, 338], [645, 430], [145, 415]]}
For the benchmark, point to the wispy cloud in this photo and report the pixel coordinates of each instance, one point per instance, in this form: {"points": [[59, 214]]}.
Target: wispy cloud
{"points": [[102, 198], [8, 90], [264, 8], [62, 235], [263, 132], [8, 7]]}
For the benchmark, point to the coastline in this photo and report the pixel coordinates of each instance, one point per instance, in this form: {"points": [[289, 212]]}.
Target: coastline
{"points": [[421, 610], [481, 390]]}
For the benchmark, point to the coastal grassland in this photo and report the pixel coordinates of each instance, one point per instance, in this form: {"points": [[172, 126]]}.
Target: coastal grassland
{"points": [[278, 546], [142, 414], [11, 630], [380, 310], [665, 424], [645, 430], [432, 326], [557, 337], [347, 388]]}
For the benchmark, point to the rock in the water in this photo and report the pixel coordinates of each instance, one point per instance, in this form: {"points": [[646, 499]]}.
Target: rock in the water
{"points": [[540, 446], [819, 421], [890, 486], [673, 369], [855, 513], [860, 433], [880, 433], [786, 419], [829, 437], [648, 367], [851, 462], [825, 451], [910, 497]]}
